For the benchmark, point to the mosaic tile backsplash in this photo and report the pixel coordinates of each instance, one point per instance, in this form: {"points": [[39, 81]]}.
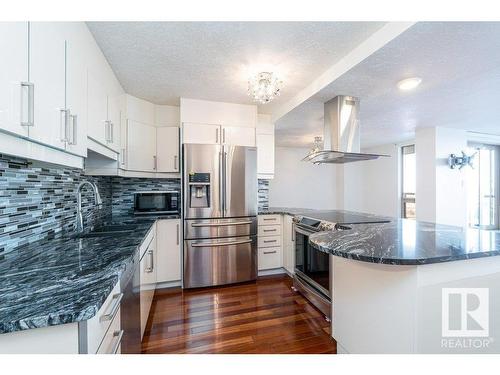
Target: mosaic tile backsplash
{"points": [[39, 201], [263, 199]]}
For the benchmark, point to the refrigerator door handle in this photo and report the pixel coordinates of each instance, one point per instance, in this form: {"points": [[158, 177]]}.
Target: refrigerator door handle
{"points": [[196, 225], [226, 182], [221, 185]]}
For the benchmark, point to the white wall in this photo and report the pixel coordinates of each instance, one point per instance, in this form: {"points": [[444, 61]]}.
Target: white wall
{"points": [[372, 186], [301, 184]]}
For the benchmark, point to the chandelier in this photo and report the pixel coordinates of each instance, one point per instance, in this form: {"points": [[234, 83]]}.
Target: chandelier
{"points": [[264, 87]]}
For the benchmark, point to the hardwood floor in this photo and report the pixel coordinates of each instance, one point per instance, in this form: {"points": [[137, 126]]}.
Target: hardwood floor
{"points": [[265, 317]]}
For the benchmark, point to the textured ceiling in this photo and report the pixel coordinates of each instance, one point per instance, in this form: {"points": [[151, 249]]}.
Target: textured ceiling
{"points": [[460, 67], [163, 61]]}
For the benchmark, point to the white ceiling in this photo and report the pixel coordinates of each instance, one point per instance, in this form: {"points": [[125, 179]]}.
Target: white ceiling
{"points": [[163, 61], [460, 67]]}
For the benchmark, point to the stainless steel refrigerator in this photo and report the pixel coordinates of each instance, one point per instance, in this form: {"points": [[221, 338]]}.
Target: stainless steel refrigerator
{"points": [[220, 214]]}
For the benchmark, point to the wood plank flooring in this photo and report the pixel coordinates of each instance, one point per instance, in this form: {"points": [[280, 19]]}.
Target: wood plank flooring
{"points": [[264, 317]]}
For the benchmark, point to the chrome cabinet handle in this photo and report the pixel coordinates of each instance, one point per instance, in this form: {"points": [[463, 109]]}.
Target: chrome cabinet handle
{"points": [[73, 129], [293, 231], [175, 163], [28, 120], [269, 230], [215, 244], [178, 234], [150, 267], [269, 241], [269, 219], [117, 298], [111, 132], [270, 252], [216, 135], [154, 162], [123, 156], [64, 124], [106, 130], [220, 224], [223, 135], [119, 336]]}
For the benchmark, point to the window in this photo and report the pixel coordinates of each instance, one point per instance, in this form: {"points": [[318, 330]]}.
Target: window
{"points": [[408, 174], [483, 187]]}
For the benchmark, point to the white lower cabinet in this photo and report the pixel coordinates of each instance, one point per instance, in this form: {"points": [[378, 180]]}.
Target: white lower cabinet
{"points": [[288, 244], [104, 331], [269, 242], [147, 266], [168, 240]]}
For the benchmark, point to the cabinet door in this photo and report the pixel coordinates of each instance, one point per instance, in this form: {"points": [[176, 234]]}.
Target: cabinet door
{"points": [[168, 250], [113, 139], [167, 149], [47, 73], [141, 147], [201, 134], [265, 155], [235, 136], [97, 112], [288, 244], [76, 88], [13, 71]]}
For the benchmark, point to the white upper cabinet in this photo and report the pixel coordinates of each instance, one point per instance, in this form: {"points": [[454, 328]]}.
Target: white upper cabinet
{"points": [[167, 149], [236, 136], [47, 73], [76, 89], [201, 134], [265, 147], [140, 110], [97, 113], [14, 97], [141, 147], [225, 114]]}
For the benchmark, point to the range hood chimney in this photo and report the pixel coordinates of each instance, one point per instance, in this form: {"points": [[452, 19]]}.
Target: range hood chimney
{"points": [[341, 133]]}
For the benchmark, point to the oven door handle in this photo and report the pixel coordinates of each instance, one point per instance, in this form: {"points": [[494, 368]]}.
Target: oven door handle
{"points": [[196, 225], [215, 244]]}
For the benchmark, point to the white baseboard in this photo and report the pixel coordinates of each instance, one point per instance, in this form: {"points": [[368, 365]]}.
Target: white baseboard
{"points": [[168, 284]]}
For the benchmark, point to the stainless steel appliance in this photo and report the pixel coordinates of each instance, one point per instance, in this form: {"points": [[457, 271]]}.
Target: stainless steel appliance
{"points": [[313, 277], [220, 214], [157, 202], [130, 312]]}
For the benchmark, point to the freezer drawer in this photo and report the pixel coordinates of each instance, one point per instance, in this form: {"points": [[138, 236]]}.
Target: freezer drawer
{"points": [[219, 261], [217, 228]]}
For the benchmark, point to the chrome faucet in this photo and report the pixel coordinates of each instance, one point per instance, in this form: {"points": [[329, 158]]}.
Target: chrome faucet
{"points": [[98, 202]]}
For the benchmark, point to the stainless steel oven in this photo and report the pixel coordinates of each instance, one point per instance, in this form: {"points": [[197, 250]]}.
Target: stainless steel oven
{"points": [[157, 202], [312, 268]]}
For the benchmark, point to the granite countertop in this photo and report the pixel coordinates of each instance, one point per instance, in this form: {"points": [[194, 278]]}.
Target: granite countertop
{"points": [[65, 279], [333, 216], [408, 242]]}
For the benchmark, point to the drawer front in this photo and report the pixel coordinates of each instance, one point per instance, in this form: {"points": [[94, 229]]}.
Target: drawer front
{"points": [[270, 241], [269, 219], [112, 339], [216, 228], [269, 257], [100, 323], [269, 230]]}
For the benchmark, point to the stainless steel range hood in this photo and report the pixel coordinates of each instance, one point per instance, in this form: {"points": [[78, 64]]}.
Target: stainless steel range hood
{"points": [[341, 134]]}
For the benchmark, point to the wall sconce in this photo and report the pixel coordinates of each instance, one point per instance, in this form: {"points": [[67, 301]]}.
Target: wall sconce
{"points": [[461, 161]]}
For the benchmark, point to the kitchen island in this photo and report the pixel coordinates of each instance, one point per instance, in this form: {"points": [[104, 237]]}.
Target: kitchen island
{"points": [[391, 288]]}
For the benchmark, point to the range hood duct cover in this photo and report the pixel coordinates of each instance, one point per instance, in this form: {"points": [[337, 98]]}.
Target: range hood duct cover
{"points": [[341, 133]]}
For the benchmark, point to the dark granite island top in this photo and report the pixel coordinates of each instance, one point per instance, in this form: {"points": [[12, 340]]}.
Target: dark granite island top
{"points": [[408, 242], [65, 279], [334, 216]]}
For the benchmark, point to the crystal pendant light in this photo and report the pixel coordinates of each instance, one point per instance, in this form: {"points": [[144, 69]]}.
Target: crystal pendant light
{"points": [[264, 87]]}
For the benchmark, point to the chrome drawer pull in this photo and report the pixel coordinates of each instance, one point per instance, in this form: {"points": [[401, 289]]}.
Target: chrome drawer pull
{"points": [[270, 252], [119, 336], [196, 225], [117, 298], [271, 219], [269, 230], [215, 244], [269, 241]]}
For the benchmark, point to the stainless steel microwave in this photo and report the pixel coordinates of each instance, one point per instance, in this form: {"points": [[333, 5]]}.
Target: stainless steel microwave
{"points": [[157, 202]]}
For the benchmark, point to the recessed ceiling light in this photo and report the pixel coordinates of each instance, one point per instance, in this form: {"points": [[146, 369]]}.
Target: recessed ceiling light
{"points": [[409, 83]]}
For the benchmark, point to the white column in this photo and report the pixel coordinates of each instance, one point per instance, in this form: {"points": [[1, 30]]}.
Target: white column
{"points": [[441, 193]]}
